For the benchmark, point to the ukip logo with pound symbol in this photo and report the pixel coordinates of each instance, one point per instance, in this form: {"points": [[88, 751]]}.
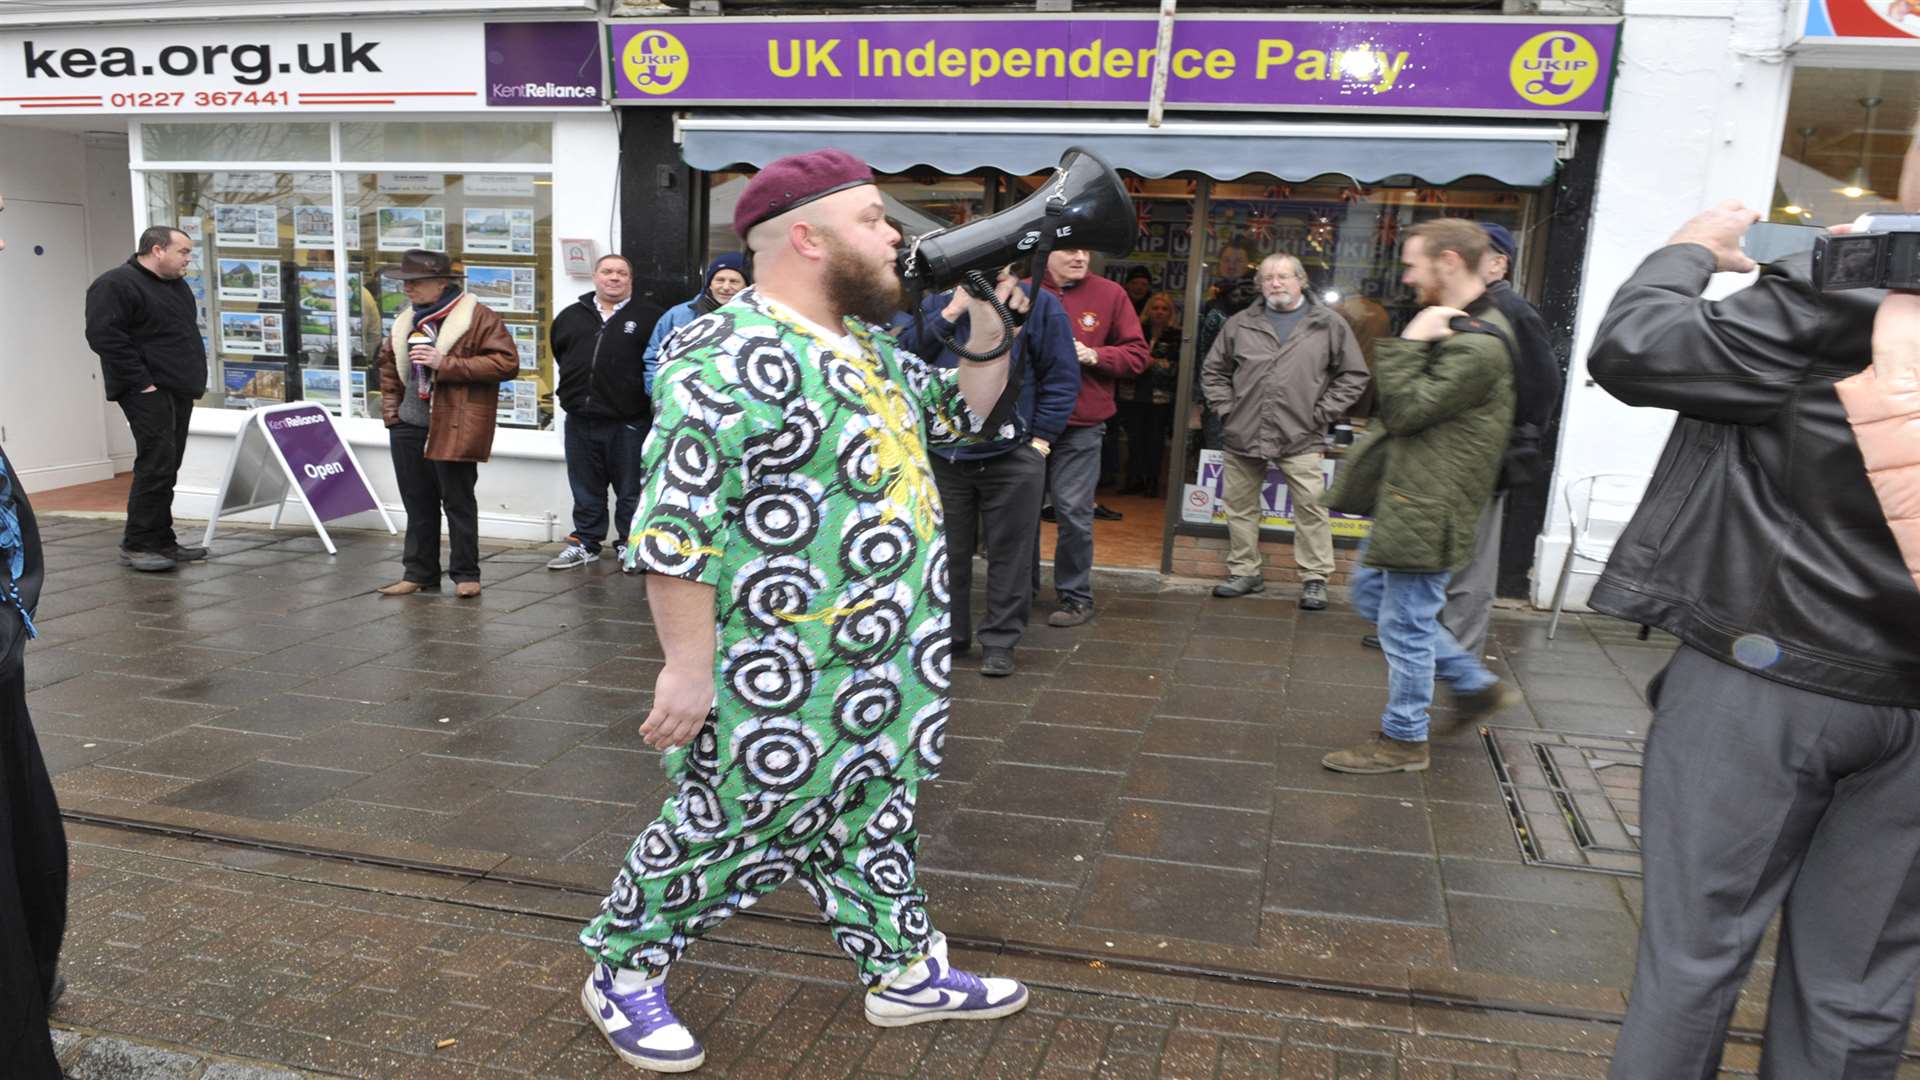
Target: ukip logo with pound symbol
{"points": [[1554, 68], [655, 62]]}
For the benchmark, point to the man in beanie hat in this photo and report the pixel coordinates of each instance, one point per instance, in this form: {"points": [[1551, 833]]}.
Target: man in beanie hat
{"points": [[440, 375], [791, 531], [726, 276]]}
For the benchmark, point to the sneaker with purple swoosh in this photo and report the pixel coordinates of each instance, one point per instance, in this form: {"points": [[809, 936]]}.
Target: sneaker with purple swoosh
{"points": [[932, 990], [640, 1026]]}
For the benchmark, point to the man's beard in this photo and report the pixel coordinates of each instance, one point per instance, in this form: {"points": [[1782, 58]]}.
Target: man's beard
{"points": [[1282, 303], [853, 287]]}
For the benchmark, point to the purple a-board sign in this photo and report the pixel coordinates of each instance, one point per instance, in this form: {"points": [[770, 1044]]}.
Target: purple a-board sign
{"points": [[318, 460], [294, 448], [1447, 66], [544, 65]]}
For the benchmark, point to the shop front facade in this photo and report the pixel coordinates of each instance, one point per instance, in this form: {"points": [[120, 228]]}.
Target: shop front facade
{"points": [[302, 156], [1320, 137]]}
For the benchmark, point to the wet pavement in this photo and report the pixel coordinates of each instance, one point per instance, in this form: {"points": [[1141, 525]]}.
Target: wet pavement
{"points": [[1145, 793]]}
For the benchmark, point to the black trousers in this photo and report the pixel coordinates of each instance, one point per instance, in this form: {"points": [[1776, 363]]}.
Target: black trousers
{"points": [[427, 488], [159, 424], [1004, 491], [1759, 797], [33, 889], [602, 451], [1147, 425]]}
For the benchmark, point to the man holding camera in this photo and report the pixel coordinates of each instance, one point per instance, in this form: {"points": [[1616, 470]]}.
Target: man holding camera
{"points": [[790, 529], [1784, 756]]}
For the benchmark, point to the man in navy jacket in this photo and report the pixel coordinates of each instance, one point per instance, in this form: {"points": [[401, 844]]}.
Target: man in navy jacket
{"points": [[1000, 482]]}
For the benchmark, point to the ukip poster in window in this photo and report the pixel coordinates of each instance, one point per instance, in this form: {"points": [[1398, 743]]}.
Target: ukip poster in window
{"points": [[252, 333], [250, 280]]}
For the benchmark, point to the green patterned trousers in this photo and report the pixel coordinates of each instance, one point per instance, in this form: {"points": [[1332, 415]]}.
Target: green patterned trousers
{"points": [[707, 857]]}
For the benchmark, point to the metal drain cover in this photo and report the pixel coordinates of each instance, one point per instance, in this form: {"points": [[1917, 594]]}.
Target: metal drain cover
{"points": [[1573, 799]]}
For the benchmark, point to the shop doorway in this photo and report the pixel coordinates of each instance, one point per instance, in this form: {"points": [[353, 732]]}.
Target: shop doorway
{"points": [[1199, 241]]}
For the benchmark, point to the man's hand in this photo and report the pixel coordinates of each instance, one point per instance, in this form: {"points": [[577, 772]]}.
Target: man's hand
{"points": [[1432, 324], [956, 306], [1087, 356], [426, 356], [1719, 230], [682, 699]]}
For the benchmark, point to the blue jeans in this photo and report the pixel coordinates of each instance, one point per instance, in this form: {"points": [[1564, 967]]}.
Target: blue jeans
{"points": [[603, 452], [1405, 608]]}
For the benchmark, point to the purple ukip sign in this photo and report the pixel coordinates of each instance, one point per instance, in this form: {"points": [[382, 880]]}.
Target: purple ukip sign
{"points": [[319, 462], [1443, 66], [544, 64]]}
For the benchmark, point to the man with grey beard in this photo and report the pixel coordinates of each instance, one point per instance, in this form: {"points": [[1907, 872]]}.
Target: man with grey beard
{"points": [[1279, 372]]}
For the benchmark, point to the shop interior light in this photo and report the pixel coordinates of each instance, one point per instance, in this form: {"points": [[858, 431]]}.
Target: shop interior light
{"points": [[1332, 296], [1859, 184], [1793, 209]]}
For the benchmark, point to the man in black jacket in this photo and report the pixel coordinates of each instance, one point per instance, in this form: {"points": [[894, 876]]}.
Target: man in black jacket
{"points": [[33, 847], [1784, 756], [143, 322], [599, 344]]}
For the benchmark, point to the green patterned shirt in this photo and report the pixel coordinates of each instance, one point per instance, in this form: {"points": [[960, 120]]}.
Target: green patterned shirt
{"points": [[787, 467]]}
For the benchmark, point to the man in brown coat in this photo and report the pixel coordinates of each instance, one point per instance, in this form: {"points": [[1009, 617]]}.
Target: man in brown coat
{"points": [[1280, 372], [439, 407]]}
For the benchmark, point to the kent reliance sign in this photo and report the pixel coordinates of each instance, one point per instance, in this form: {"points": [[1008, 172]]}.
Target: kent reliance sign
{"points": [[363, 65], [1450, 66]]}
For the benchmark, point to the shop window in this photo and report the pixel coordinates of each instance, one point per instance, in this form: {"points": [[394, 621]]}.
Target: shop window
{"points": [[1846, 137], [235, 142], [516, 143], [275, 309]]}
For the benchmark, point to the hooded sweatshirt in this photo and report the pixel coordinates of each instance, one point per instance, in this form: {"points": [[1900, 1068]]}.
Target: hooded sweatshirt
{"points": [[682, 314]]}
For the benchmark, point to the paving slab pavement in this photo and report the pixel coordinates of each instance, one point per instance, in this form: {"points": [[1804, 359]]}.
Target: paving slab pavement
{"points": [[190, 960], [1147, 787]]}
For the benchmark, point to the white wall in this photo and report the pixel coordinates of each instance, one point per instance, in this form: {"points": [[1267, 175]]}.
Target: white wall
{"points": [[110, 239], [1698, 105], [522, 491], [48, 362]]}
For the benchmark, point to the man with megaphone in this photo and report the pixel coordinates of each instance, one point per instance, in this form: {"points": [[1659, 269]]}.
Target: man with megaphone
{"points": [[791, 529]]}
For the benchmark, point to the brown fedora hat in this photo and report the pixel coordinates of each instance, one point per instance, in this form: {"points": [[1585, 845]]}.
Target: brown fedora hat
{"points": [[418, 263]]}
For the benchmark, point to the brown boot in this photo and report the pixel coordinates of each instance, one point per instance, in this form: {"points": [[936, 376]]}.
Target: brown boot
{"points": [[1380, 754], [467, 590], [402, 588], [1479, 705]]}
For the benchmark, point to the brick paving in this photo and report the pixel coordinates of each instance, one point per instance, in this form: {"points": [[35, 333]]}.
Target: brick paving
{"points": [[222, 953], [1147, 786]]}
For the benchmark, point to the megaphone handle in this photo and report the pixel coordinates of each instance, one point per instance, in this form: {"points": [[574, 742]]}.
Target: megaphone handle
{"points": [[980, 288]]}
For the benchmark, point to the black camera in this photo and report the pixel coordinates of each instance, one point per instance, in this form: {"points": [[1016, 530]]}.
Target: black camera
{"points": [[1884, 253]]}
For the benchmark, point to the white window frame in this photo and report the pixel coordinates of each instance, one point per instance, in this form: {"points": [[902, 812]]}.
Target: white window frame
{"points": [[361, 430]]}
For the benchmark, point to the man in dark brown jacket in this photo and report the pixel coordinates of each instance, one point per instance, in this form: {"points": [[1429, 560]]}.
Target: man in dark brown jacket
{"points": [[1280, 372], [439, 407]]}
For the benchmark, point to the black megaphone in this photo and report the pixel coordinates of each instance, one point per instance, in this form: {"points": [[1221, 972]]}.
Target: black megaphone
{"points": [[1083, 204]]}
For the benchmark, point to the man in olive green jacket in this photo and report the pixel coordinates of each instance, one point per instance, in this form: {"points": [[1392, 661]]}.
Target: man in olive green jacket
{"points": [[1425, 472]]}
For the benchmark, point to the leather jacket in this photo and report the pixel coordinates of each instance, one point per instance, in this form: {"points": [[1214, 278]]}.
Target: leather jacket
{"points": [[1759, 541]]}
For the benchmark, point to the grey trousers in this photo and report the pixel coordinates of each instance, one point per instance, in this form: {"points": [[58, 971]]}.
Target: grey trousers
{"points": [[1073, 472], [1760, 797], [1469, 608]]}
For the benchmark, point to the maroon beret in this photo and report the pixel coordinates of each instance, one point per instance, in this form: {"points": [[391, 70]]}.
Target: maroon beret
{"points": [[796, 180]]}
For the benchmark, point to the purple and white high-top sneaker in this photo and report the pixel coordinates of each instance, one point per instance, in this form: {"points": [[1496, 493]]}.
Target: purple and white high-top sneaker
{"points": [[639, 1024], [932, 990]]}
